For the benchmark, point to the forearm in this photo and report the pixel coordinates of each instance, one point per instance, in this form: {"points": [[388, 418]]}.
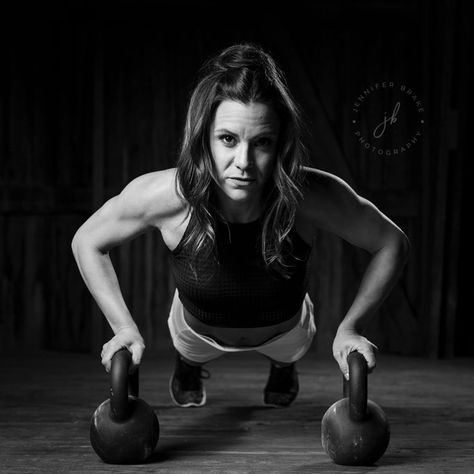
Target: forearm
{"points": [[100, 278], [378, 280]]}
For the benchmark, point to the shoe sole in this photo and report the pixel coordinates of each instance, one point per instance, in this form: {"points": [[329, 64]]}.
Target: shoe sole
{"points": [[273, 405], [190, 404], [276, 405]]}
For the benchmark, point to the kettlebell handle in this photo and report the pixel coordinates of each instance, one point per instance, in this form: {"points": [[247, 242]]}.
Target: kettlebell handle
{"points": [[122, 384], [356, 387]]}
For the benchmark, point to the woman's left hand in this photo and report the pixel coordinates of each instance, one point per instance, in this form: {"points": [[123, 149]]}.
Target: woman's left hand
{"points": [[347, 341]]}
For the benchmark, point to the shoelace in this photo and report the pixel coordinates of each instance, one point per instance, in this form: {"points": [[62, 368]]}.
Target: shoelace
{"points": [[190, 376]]}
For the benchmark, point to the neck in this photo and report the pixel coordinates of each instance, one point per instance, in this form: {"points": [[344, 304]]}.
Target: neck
{"points": [[240, 216], [240, 213]]}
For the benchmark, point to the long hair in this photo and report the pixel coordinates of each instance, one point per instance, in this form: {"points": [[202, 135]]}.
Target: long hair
{"points": [[244, 73]]}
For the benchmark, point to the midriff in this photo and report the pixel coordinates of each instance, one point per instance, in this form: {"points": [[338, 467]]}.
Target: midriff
{"points": [[240, 337]]}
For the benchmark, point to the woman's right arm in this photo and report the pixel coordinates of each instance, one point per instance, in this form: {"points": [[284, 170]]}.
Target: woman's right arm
{"points": [[142, 205]]}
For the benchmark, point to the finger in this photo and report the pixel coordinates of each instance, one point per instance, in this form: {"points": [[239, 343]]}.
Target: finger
{"points": [[137, 351], [342, 361], [369, 356], [104, 350], [374, 347], [345, 372], [108, 352], [105, 359], [106, 363]]}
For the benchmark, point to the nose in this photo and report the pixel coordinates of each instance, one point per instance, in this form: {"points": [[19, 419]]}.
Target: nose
{"points": [[243, 156]]}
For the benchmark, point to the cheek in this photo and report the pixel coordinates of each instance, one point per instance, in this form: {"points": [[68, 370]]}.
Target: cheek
{"points": [[267, 163], [222, 156], [215, 153]]}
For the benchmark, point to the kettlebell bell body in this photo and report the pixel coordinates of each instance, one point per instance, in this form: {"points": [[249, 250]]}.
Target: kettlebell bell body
{"points": [[354, 443], [355, 430], [124, 441], [124, 429]]}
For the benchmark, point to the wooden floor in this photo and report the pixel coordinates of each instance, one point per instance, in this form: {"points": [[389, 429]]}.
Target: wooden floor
{"points": [[47, 399]]}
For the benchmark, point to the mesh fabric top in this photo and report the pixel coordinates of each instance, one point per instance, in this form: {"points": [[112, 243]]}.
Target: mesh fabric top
{"points": [[241, 291]]}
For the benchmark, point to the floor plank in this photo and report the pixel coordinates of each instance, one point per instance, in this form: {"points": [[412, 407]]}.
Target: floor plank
{"points": [[47, 400]]}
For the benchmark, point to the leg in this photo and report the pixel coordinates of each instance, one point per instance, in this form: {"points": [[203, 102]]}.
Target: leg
{"points": [[192, 351], [277, 363], [189, 362], [282, 385], [185, 386]]}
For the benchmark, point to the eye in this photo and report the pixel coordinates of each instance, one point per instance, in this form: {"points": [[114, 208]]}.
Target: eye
{"points": [[227, 140], [264, 142]]}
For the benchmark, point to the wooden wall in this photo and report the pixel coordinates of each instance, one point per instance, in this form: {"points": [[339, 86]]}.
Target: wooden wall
{"points": [[94, 97]]}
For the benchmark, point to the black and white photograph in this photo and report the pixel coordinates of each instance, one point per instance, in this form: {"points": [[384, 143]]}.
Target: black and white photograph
{"points": [[234, 237]]}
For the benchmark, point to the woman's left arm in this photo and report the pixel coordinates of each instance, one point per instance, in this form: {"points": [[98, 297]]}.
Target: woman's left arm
{"points": [[331, 204]]}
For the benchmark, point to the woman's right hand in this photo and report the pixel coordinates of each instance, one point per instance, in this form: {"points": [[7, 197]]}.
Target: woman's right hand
{"points": [[128, 337]]}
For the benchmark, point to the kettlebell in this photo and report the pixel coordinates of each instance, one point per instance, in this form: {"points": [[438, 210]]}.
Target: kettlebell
{"points": [[124, 429], [355, 430]]}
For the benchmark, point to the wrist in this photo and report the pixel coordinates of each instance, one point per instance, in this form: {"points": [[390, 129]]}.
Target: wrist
{"points": [[126, 326], [347, 327]]}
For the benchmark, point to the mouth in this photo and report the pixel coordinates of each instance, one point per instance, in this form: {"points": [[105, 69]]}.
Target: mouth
{"points": [[243, 180]]}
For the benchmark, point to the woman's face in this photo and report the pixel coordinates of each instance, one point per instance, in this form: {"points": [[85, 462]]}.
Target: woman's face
{"points": [[243, 139]]}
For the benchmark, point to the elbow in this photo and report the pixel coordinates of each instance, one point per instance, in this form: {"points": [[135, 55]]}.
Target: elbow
{"points": [[403, 247], [75, 244], [83, 242], [397, 247], [79, 242]]}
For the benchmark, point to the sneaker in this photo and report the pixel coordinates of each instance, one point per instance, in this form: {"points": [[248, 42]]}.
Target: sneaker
{"points": [[186, 387], [282, 386]]}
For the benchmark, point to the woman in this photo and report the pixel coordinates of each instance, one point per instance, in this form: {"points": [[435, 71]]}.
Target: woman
{"points": [[238, 214]]}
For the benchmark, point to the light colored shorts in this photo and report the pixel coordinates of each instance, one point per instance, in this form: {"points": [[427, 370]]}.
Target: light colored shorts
{"points": [[287, 347]]}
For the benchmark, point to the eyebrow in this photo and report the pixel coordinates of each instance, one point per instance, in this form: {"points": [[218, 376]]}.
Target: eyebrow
{"points": [[265, 132]]}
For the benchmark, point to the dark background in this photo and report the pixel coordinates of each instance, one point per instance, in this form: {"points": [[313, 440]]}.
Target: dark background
{"points": [[94, 94]]}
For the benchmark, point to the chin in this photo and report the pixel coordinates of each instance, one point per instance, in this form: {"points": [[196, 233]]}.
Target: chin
{"points": [[239, 194]]}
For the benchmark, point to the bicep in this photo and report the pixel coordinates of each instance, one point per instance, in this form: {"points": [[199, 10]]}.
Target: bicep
{"points": [[361, 223], [122, 217], [111, 225]]}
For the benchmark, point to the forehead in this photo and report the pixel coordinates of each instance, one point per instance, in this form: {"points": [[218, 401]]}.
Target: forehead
{"points": [[236, 115]]}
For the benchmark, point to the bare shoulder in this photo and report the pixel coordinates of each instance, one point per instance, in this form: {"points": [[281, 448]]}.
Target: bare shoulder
{"points": [[324, 193], [153, 196], [331, 204], [321, 182]]}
